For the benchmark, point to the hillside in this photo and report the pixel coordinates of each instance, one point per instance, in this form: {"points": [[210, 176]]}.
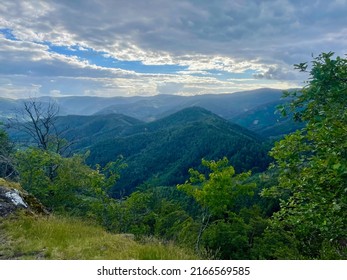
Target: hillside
{"points": [[27, 232], [161, 152], [57, 238], [6, 108], [86, 130], [83, 131], [267, 121]]}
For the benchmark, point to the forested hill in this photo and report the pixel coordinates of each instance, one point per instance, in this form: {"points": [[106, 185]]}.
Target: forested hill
{"points": [[161, 152], [84, 131], [266, 120]]}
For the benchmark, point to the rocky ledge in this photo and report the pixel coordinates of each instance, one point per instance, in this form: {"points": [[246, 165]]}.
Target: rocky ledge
{"points": [[14, 198]]}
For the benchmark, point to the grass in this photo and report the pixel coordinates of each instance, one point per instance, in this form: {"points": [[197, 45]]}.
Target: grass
{"points": [[65, 238]]}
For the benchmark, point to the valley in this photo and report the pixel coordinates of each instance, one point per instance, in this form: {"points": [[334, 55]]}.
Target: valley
{"points": [[160, 152]]}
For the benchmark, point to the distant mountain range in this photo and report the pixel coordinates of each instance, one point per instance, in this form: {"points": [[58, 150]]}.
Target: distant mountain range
{"points": [[254, 109]]}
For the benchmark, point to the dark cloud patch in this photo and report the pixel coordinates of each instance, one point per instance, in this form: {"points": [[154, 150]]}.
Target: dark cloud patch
{"points": [[276, 73], [181, 27], [188, 26]]}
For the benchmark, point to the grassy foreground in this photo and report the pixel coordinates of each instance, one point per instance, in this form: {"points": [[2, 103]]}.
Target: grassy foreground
{"points": [[65, 238]]}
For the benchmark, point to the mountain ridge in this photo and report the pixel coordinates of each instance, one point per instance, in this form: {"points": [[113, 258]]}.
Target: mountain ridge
{"points": [[150, 107], [237, 107], [161, 152]]}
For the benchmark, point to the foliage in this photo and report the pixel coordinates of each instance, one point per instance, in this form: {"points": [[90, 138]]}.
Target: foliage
{"points": [[229, 239], [66, 238], [312, 164], [154, 212], [7, 166], [67, 185], [219, 192], [227, 227]]}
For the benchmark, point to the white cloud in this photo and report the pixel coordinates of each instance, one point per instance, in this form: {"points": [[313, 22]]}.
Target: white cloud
{"points": [[264, 38]]}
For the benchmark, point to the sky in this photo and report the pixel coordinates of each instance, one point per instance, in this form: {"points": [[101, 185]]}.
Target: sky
{"points": [[185, 47]]}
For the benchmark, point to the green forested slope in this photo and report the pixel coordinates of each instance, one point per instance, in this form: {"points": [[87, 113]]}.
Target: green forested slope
{"points": [[267, 121], [161, 152], [86, 130]]}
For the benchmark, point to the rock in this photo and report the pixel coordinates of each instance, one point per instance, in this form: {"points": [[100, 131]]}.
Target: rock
{"points": [[13, 198], [6, 205]]}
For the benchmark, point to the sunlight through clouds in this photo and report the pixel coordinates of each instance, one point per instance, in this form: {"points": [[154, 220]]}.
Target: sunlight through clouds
{"points": [[111, 48]]}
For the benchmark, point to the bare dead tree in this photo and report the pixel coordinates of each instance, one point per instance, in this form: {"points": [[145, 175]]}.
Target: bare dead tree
{"points": [[38, 120]]}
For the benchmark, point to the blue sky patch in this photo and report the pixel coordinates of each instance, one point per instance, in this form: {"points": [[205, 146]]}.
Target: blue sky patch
{"points": [[8, 34], [101, 59]]}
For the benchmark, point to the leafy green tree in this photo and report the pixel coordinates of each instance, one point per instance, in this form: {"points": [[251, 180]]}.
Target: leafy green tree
{"points": [[34, 167], [221, 189], [173, 222], [138, 214], [153, 212], [312, 164], [219, 194], [7, 167], [228, 239], [74, 187]]}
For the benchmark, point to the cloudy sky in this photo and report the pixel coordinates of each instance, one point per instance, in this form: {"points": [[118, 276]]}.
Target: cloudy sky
{"points": [[148, 47]]}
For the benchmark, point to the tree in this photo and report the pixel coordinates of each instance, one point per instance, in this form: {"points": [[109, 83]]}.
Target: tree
{"points": [[7, 167], [38, 121], [75, 188], [220, 191], [312, 164], [219, 195]]}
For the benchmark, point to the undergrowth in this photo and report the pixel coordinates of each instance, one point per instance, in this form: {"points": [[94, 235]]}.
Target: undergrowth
{"points": [[66, 238]]}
